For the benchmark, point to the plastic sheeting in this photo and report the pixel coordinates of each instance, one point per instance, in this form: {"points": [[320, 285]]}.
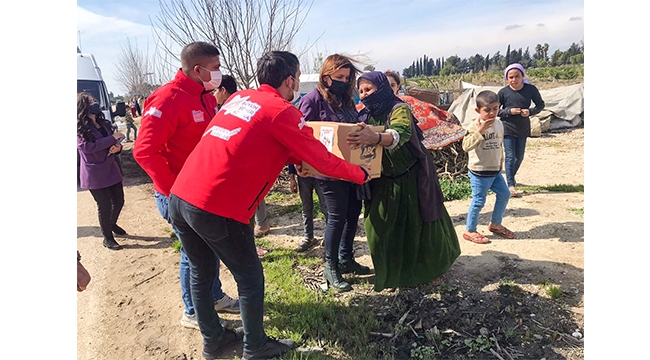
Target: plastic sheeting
{"points": [[563, 109]]}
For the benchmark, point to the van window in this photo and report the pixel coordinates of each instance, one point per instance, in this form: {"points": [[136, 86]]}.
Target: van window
{"points": [[95, 89]]}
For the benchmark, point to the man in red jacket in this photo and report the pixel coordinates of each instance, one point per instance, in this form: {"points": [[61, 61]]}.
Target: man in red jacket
{"points": [[175, 116], [232, 168]]}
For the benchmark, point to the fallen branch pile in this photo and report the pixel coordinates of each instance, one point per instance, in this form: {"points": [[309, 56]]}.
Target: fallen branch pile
{"points": [[451, 161]]}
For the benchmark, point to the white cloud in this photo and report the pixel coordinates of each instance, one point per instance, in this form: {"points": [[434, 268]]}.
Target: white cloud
{"points": [[400, 49]]}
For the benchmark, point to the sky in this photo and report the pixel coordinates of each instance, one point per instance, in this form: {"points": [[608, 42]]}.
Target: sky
{"points": [[390, 34]]}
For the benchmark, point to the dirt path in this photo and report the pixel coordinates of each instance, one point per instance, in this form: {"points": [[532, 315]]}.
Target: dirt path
{"points": [[132, 307]]}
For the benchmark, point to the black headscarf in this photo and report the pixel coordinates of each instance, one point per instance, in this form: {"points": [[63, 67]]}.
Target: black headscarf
{"points": [[382, 101]]}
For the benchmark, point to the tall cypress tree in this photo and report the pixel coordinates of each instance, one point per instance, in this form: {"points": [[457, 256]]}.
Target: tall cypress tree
{"points": [[508, 56]]}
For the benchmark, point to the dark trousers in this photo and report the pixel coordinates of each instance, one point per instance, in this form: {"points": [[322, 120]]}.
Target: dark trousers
{"points": [[306, 187], [207, 237], [110, 201], [343, 210]]}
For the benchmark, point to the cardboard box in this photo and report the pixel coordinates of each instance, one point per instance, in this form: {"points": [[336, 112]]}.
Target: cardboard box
{"points": [[333, 135]]}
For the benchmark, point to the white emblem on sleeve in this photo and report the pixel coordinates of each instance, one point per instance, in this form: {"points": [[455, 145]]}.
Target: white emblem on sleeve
{"points": [[153, 112], [221, 133], [241, 108]]}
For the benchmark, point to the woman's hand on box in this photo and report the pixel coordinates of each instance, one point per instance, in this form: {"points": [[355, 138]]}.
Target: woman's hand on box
{"points": [[363, 136]]}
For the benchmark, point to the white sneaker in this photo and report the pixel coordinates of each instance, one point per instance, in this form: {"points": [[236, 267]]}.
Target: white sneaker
{"points": [[189, 321], [227, 304]]}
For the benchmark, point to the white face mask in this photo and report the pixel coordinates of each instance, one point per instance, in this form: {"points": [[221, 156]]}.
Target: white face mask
{"points": [[296, 93], [215, 80]]}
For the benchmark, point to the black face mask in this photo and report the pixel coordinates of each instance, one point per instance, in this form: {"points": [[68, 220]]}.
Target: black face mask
{"points": [[338, 87], [95, 109]]}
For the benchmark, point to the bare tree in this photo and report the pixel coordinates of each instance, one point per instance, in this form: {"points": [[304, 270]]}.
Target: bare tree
{"points": [[134, 69], [243, 30]]}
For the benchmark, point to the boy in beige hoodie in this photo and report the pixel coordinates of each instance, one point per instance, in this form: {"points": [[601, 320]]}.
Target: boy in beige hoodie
{"points": [[484, 145]]}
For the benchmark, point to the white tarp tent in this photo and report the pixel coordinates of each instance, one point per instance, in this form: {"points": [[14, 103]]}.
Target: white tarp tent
{"points": [[308, 82], [467, 85], [563, 108]]}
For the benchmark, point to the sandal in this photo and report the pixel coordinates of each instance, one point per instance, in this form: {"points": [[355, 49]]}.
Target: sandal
{"points": [[503, 232], [260, 252], [258, 233], [476, 238], [514, 192]]}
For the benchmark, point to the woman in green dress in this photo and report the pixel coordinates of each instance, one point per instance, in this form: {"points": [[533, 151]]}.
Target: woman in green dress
{"points": [[411, 237]]}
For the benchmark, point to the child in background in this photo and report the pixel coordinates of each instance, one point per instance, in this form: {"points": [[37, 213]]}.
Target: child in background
{"points": [[515, 112], [130, 125], [484, 145]]}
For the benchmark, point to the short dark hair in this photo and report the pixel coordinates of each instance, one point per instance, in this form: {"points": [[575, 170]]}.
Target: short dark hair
{"points": [[486, 97], [195, 53], [228, 82], [274, 66]]}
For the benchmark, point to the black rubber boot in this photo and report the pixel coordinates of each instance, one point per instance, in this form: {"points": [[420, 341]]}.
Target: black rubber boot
{"points": [[333, 276], [118, 230], [112, 244], [349, 265]]}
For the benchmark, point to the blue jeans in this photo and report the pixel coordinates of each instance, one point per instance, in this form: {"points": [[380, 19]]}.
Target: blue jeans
{"points": [[480, 187], [162, 203], [514, 148], [306, 187], [343, 210], [207, 238]]}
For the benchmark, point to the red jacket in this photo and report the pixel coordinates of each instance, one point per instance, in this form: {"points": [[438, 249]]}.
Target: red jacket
{"points": [[174, 118], [243, 150]]}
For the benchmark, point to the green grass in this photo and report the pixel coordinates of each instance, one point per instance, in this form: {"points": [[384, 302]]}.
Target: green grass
{"points": [[176, 245], [282, 203], [456, 189], [281, 198], [566, 188], [170, 232], [313, 318], [554, 291], [553, 188], [578, 211]]}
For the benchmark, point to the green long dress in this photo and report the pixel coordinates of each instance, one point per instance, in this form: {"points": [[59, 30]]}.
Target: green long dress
{"points": [[405, 250]]}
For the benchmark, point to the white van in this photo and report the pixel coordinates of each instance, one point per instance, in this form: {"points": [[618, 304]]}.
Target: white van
{"points": [[89, 79]]}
